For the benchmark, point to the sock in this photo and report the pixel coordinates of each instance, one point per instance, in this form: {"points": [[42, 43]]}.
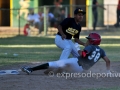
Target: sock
{"points": [[40, 67]]}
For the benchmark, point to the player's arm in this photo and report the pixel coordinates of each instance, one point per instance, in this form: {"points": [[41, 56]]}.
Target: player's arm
{"points": [[61, 32], [82, 53], [85, 51], [106, 59], [100, 6], [79, 41], [65, 23]]}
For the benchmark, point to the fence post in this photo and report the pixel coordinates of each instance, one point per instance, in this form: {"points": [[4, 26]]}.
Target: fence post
{"points": [[19, 21], [107, 17], [66, 12], [45, 29]]}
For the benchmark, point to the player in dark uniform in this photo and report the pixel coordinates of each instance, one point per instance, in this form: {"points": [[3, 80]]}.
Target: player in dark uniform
{"points": [[68, 28], [92, 53], [88, 57]]}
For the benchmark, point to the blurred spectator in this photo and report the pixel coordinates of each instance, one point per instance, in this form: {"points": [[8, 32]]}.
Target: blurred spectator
{"points": [[57, 10], [52, 19], [62, 16], [95, 4], [34, 20], [118, 15]]}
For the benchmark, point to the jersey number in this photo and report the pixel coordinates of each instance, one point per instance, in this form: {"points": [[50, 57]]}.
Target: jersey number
{"points": [[95, 56]]}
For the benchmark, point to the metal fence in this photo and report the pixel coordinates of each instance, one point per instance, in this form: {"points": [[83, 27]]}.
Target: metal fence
{"points": [[18, 18]]}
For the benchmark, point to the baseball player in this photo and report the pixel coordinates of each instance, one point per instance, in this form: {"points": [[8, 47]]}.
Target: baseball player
{"points": [[68, 28], [88, 57]]}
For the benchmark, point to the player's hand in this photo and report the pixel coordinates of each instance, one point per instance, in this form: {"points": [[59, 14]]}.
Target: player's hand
{"points": [[77, 46], [63, 36]]}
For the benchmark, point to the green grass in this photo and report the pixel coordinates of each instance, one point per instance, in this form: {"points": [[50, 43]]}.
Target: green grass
{"points": [[38, 49], [29, 49]]}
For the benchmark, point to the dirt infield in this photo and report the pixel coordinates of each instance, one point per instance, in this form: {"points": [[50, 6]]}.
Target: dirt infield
{"points": [[38, 81]]}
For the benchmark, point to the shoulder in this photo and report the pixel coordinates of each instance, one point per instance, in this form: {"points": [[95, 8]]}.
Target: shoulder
{"points": [[102, 49], [67, 19], [50, 14], [89, 46], [36, 14], [92, 48], [99, 48], [29, 15]]}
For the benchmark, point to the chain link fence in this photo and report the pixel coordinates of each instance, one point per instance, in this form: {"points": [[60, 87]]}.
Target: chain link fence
{"points": [[52, 16]]}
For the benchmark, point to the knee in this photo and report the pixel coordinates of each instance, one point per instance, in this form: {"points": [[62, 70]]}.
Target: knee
{"points": [[63, 65], [68, 47]]}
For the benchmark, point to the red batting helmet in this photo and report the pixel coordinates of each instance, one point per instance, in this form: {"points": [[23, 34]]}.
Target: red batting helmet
{"points": [[94, 38]]}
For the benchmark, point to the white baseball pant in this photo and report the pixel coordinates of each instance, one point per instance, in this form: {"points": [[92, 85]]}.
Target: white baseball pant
{"points": [[70, 65], [67, 46]]}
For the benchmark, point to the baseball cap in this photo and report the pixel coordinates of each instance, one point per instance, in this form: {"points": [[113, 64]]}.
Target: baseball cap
{"points": [[79, 10]]}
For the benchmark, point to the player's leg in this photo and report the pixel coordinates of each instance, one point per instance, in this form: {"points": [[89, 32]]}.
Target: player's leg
{"points": [[50, 65], [28, 70], [75, 48], [72, 65], [59, 64], [63, 44]]}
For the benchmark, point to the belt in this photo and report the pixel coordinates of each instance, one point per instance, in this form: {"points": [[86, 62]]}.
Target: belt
{"points": [[66, 38]]}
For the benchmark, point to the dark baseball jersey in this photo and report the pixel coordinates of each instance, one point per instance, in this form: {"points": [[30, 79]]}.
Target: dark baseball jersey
{"points": [[94, 53], [70, 28]]}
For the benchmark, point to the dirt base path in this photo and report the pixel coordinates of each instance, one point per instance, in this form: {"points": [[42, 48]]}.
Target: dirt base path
{"points": [[38, 81]]}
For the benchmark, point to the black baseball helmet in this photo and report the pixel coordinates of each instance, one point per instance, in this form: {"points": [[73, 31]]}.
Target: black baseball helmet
{"points": [[79, 10]]}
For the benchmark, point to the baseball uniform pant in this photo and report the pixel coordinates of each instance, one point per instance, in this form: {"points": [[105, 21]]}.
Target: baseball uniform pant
{"points": [[70, 65], [67, 46]]}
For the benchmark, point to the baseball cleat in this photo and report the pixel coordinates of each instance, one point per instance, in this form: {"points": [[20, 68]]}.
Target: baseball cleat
{"points": [[26, 69]]}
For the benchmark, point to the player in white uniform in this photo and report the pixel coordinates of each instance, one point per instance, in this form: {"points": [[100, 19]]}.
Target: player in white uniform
{"points": [[88, 57]]}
